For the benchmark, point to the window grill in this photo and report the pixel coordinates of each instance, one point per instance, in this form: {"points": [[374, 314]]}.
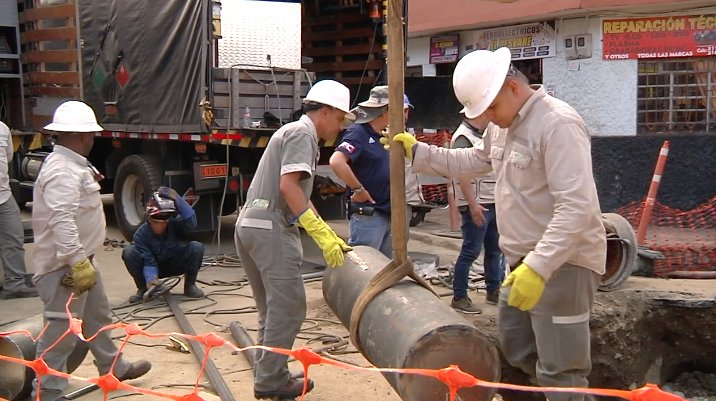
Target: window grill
{"points": [[676, 96]]}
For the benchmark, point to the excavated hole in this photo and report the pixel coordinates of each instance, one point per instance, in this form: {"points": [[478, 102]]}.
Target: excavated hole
{"points": [[647, 337], [693, 380], [643, 336]]}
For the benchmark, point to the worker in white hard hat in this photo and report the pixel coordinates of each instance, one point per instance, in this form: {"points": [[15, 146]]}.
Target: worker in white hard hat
{"points": [[69, 226], [549, 219], [267, 236]]}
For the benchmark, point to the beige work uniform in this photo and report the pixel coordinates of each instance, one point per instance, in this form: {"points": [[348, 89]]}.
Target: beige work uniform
{"points": [[69, 225], [549, 217]]}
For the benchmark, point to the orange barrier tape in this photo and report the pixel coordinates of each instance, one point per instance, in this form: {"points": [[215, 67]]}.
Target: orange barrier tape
{"points": [[452, 376]]}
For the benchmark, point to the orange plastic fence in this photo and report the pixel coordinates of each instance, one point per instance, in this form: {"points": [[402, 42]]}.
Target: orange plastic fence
{"points": [[451, 376], [687, 239], [435, 194]]}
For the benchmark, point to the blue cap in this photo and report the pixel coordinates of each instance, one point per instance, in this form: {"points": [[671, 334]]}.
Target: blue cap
{"points": [[406, 102]]}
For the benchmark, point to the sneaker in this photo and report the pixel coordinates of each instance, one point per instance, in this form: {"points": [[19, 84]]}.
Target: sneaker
{"points": [[492, 297], [465, 305], [292, 389]]}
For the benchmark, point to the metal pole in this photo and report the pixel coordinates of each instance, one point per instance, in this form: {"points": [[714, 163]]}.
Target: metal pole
{"points": [[217, 381]]}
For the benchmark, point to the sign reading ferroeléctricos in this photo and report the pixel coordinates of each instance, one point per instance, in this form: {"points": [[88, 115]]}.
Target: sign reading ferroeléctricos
{"points": [[659, 37]]}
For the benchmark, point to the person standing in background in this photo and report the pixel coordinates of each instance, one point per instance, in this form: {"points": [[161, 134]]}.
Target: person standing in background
{"points": [[476, 202], [12, 235]]}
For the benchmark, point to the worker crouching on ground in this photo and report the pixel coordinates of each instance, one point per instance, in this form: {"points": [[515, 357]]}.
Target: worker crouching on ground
{"points": [[267, 236], [161, 247], [548, 215], [69, 226]]}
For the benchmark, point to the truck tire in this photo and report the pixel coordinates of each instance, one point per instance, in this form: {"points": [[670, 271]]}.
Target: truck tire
{"points": [[137, 177]]}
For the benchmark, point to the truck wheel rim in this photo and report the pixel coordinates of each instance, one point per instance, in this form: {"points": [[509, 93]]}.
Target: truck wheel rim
{"points": [[132, 192]]}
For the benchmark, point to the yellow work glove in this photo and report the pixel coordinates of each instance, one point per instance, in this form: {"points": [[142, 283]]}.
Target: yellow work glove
{"points": [[326, 239], [345, 247], [405, 139], [527, 287], [83, 276]]}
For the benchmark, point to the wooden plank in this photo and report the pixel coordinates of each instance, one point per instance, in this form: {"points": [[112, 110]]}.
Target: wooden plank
{"points": [[39, 121], [59, 78], [54, 91], [346, 66], [40, 35], [358, 81], [50, 12], [51, 56], [334, 35], [340, 50]]}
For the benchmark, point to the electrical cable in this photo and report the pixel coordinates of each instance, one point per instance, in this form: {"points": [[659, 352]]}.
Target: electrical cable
{"points": [[365, 66]]}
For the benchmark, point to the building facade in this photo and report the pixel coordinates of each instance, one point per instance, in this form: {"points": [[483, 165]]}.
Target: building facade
{"points": [[644, 69]]}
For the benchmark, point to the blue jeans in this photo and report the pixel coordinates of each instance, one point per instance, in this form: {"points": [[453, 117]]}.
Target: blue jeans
{"points": [[473, 237], [373, 231]]}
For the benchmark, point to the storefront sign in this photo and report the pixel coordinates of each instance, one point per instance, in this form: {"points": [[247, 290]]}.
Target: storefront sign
{"points": [[526, 41], [659, 37], [443, 49]]}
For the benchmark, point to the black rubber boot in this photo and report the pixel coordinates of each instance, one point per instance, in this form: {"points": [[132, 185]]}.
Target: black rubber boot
{"points": [[133, 262], [190, 288]]}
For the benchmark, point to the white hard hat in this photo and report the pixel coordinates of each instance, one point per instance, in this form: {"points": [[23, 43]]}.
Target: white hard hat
{"points": [[478, 78], [74, 116], [331, 93]]}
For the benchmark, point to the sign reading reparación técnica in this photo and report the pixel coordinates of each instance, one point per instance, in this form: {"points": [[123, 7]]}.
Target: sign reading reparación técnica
{"points": [[659, 37]]}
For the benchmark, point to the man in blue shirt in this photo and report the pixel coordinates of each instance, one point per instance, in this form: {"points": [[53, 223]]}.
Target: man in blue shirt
{"points": [[161, 247], [362, 163]]}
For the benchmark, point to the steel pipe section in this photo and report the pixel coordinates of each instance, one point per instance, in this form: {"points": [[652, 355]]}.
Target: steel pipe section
{"points": [[406, 326], [16, 379]]}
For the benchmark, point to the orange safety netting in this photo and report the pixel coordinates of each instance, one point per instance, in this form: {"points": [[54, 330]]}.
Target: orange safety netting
{"points": [[435, 194], [686, 238], [451, 376]]}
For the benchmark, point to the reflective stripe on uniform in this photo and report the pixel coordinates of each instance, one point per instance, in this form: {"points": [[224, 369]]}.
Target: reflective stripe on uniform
{"points": [[571, 319], [256, 223]]}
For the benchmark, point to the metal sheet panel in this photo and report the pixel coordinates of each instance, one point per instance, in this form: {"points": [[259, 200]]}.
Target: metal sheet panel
{"points": [[251, 30], [8, 13]]}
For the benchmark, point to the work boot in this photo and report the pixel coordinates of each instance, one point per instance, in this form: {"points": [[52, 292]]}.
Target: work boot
{"points": [[292, 389], [492, 297], [136, 369], [190, 288], [22, 292], [138, 296], [465, 305]]}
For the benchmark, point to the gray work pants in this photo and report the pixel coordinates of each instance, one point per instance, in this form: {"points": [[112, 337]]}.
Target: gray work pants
{"points": [[272, 257], [552, 341], [93, 308], [12, 251]]}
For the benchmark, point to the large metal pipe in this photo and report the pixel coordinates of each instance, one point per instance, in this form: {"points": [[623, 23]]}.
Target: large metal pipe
{"points": [[406, 326], [243, 340], [16, 379]]}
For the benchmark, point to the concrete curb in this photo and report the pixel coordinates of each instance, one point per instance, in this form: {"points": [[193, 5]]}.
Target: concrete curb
{"points": [[431, 239]]}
